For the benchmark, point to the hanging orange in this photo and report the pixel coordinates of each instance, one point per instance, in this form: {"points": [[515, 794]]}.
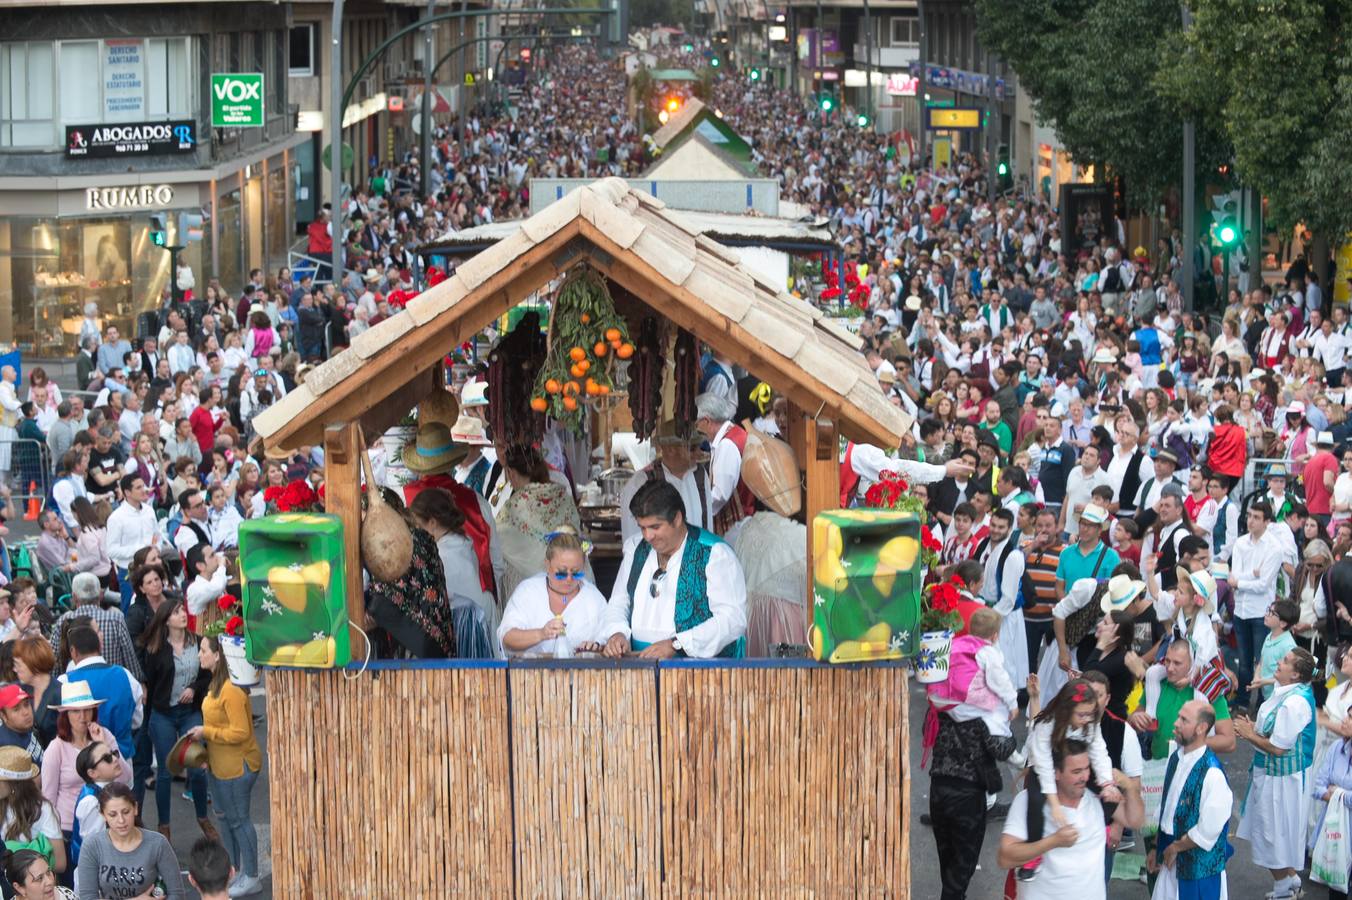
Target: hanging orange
{"points": [[539, 404], [577, 354], [552, 386], [571, 387], [569, 404], [600, 349], [603, 389], [577, 371], [613, 334], [615, 344], [585, 318], [625, 351]]}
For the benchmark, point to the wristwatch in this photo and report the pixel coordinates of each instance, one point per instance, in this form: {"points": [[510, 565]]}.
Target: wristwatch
{"points": [[676, 644]]}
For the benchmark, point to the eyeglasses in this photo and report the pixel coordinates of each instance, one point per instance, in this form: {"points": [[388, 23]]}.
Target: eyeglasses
{"points": [[110, 756], [657, 580], [564, 576]]}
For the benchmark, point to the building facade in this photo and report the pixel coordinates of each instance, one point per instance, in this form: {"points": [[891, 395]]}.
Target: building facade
{"points": [[106, 121]]}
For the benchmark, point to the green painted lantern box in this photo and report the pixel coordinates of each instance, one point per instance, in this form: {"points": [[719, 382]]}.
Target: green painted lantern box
{"points": [[866, 584], [292, 577]]}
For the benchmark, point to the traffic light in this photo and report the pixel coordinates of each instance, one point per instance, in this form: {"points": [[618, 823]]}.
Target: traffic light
{"points": [[159, 234], [754, 74], [714, 62], [1003, 172], [863, 120], [1228, 234], [826, 102]]}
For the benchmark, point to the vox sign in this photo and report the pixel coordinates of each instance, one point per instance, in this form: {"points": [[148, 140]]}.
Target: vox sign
{"points": [[237, 100]]}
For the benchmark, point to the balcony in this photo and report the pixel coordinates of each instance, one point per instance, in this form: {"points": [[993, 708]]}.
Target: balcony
{"points": [[887, 57]]}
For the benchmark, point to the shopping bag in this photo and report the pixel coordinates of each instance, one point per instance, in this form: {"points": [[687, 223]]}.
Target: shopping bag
{"points": [[1332, 855], [1152, 790]]}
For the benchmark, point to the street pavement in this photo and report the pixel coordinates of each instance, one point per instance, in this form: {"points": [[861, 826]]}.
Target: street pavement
{"points": [[1244, 878]]}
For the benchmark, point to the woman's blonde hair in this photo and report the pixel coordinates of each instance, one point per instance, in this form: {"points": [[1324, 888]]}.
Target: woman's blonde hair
{"points": [[566, 538]]}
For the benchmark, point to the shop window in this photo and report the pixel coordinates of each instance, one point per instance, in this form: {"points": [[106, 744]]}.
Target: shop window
{"points": [[27, 95], [302, 50], [169, 78]]}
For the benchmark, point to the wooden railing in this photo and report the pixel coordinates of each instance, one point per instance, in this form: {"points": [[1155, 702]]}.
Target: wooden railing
{"points": [[763, 777]]}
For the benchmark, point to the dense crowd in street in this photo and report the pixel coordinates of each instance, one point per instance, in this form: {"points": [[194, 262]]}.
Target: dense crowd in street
{"points": [[1146, 511]]}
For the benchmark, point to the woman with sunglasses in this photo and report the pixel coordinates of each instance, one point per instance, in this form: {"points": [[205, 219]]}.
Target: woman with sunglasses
{"points": [[558, 610]]}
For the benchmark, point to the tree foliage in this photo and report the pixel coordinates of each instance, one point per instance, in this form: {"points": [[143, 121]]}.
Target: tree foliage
{"points": [[1278, 73], [1090, 67], [647, 13]]}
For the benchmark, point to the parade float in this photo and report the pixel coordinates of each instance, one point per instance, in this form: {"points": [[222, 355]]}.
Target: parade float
{"points": [[589, 777]]}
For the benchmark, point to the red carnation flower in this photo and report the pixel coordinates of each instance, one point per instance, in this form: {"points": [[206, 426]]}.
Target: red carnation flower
{"points": [[227, 602], [234, 626]]}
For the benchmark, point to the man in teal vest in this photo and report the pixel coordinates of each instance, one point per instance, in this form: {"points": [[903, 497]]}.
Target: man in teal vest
{"points": [[1189, 859], [680, 590]]}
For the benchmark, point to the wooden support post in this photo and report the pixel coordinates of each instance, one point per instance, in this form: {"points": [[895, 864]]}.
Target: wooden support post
{"points": [[342, 497], [821, 461]]}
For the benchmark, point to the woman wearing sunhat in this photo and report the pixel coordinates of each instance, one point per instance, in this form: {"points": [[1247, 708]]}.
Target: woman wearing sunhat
{"points": [[27, 820], [77, 727]]}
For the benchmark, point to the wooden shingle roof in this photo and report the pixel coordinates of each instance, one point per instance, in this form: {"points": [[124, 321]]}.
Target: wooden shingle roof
{"points": [[633, 239]]}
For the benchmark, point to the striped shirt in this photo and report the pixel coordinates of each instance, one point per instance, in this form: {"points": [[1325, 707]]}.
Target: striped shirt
{"points": [[1041, 570]]}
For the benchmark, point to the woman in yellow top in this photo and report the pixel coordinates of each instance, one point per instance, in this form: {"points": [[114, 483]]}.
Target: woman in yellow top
{"points": [[233, 763]]}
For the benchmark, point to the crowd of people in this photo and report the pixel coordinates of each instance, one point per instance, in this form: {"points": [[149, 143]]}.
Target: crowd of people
{"points": [[1146, 511]]}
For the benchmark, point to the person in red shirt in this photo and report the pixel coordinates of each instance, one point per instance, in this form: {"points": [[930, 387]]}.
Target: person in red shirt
{"points": [[204, 421], [1228, 452], [1320, 474]]}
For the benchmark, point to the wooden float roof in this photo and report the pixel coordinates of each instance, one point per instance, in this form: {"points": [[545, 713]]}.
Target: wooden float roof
{"points": [[633, 239]]}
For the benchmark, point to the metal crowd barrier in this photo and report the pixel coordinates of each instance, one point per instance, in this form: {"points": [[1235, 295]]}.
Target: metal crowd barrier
{"points": [[29, 472]]}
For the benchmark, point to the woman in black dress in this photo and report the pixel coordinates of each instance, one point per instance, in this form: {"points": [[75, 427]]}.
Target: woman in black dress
{"points": [[1112, 655]]}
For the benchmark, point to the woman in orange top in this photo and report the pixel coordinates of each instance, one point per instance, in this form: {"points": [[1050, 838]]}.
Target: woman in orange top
{"points": [[233, 763]]}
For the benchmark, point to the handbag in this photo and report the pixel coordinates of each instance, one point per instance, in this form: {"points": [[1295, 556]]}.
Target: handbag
{"points": [[1332, 856]]}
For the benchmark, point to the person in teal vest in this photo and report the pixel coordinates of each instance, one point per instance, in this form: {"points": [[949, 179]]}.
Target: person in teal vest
{"points": [[680, 590], [1191, 850], [1283, 735]]}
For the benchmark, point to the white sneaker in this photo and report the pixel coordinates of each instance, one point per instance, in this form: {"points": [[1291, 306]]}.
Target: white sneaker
{"points": [[246, 885]]}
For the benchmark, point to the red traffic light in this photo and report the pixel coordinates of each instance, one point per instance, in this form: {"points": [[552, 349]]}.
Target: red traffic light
{"points": [[396, 104]]}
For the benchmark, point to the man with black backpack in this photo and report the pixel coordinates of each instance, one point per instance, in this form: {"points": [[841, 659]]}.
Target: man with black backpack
{"points": [[1002, 587]]}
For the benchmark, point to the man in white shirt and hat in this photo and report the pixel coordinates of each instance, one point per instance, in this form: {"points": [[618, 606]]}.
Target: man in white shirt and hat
{"points": [[676, 465], [680, 590]]}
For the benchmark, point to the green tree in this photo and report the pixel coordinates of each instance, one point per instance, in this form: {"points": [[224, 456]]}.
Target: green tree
{"points": [[1089, 66], [1278, 73]]}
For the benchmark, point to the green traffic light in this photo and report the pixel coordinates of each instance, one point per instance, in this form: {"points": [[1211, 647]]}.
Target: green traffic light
{"points": [[158, 238], [1002, 168], [827, 103], [755, 74], [1227, 235], [714, 62], [863, 121]]}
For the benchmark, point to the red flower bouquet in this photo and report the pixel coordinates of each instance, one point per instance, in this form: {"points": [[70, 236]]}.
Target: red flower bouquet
{"points": [[297, 496], [939, 606], [891, 491]]}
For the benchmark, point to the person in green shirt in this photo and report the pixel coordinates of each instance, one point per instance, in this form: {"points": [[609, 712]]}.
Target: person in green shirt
{"points": [[998, 427], [1177, 690], [1279, 618]]}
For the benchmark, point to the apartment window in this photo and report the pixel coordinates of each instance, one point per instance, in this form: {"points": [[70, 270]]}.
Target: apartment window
{"points": [[302, 49], [27, 95], [905, 32]]}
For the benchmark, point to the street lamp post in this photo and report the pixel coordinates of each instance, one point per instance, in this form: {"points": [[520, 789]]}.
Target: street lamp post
{"points": [[425, 155], [335, 129], [1189, 198], [922, 135]]}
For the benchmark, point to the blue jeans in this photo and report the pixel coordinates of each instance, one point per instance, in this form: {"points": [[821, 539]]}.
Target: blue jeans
{"points": [[1249, 635], [165, 729], [124, 585], [232, 797]]}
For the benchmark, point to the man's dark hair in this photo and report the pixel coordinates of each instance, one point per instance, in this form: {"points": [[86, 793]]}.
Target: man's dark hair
{"points": [[1068, 748], [965, 509], [1191, 546], [928, 427], [660, 499], [1262, 506], [209, 866], [184, 497], [128, 481], [83, 640], [971, 455], [194, 558], [1287, 611], [1005, 516], [1207, 716], [1015, 476]]}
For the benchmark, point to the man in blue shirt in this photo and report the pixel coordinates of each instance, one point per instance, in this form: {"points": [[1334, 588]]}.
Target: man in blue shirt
{"points": [[112, 353], [1089, 556]]}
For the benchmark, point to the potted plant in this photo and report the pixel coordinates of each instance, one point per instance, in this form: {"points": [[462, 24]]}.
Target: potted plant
{"points": [[939, 619], [228, 628], [891, 491]]}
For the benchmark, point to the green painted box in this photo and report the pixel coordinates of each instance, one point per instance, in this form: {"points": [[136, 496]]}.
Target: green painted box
{"points": [[292, 578], [865, 584]]}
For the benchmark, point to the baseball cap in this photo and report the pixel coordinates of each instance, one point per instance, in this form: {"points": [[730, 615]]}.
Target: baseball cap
{"points": [[11, 695]]}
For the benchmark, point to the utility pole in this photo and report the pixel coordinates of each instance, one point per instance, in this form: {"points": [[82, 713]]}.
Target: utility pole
{"points": [[335, 129], [425, 154], [922, 135], [868, 64], [1187, 251], [992, 128], [793, 49]]}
